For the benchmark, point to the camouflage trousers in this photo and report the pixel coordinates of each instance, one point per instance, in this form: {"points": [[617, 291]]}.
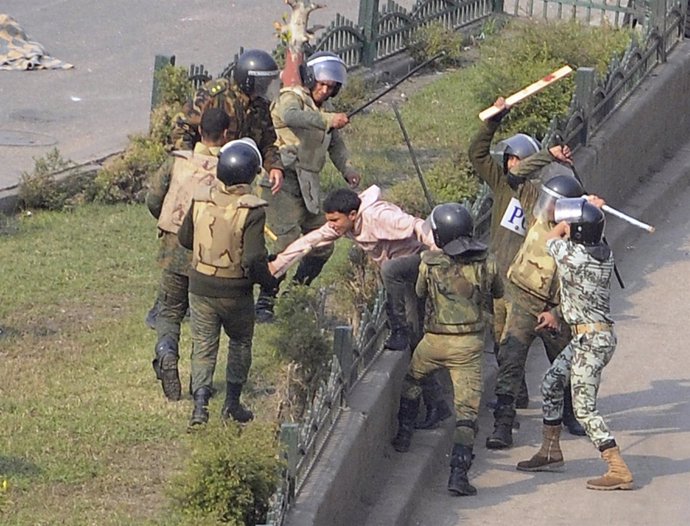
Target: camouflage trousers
{"points": [[173, 300], [581, 362], [500, 313], [518, 335], [236, 317], [461, 354]]}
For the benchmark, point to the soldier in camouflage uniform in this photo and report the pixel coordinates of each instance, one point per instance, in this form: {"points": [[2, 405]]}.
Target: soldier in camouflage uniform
{"points": [[515, 190], [533, 291], [308, 130], [457, 281], [246, 99], [585, 264], [168, 199], [521, 160], [224, 228]]}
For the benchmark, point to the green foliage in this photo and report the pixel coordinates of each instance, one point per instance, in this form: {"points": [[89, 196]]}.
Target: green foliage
{"points": [[40, 189], [528, 50], [448, 180], [429, 40], [174, 85], [231, 475], [5, 501], [301, 339], [124, 179]]}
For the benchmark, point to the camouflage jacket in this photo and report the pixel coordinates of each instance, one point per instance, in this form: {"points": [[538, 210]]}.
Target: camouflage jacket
{"points": [[171, 255], [248, 118], [457, 291], [585, 283], [504, 242]]}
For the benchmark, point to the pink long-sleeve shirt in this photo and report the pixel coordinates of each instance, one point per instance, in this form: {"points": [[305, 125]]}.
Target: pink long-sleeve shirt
{"points": [[381, 229]]}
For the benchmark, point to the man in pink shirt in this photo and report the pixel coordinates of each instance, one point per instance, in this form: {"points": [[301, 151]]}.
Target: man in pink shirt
{"points": [[394, 240]]}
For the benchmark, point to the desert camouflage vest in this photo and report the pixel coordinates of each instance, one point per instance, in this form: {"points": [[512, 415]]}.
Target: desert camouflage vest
{"points": [[533, 269], [454, 304], [190, 170], [219, 218], [309, 145]]}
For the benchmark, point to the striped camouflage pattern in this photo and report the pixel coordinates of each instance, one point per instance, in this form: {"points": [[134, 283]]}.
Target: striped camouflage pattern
{"points": [[582, 361], [17, 52]]}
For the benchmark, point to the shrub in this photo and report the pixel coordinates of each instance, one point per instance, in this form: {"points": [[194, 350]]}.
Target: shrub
{"points": [[40, 189], [302, 340], [232, 473], [435, 38], [124, 179]]}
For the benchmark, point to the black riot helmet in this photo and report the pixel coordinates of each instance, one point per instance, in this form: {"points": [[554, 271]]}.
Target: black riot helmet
{"points": [[586, 221], [324, 66], [239, 163], [257, 74], [453, 228], [519, 145], [554, 189]]}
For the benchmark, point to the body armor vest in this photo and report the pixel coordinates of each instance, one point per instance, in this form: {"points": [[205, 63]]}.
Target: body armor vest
{"points": [[455, 295], [189, 171], [219, 218], [533, 269]]}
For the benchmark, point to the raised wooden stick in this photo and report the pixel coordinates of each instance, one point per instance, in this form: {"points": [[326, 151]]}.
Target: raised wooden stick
{"points": [[528, 91]]}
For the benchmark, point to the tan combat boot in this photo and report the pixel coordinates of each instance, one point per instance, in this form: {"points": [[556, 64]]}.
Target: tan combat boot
{"points": [[617, 477], [550, 456]]}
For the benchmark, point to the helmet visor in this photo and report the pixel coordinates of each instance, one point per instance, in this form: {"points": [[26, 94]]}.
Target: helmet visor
{"points": [[266, 87], [329, 69], [569, 209], [546, 204]]}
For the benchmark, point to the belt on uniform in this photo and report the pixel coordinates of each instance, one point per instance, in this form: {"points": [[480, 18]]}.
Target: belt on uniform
{"points": [[582, 328]]}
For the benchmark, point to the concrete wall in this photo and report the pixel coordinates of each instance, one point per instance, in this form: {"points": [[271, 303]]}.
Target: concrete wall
{"points": [[645, 132]]}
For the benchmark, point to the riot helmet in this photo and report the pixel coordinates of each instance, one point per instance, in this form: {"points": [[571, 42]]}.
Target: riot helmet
{"points": [[586, 221], [239, 163], [453, 229], [257, 74], [519, 145], [552, 190], [324, 66]]}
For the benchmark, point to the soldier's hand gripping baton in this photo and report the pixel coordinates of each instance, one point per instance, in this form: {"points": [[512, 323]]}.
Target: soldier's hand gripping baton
{"points": [[395, 84], [414, 157]]}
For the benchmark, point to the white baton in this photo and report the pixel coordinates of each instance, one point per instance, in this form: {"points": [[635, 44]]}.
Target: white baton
{"points": [[631, 220]]}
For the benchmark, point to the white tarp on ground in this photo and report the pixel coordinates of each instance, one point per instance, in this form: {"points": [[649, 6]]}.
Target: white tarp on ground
{"points": [[18, 52]]}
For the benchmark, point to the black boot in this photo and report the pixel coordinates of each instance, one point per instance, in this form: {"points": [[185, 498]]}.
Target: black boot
{"points": [[263, 310], [460, 463], [437, 409], [504, 416], [406, 416], [233, 408], [152, 315], [398, 340], [569, 421], [200, 411], [522, 400], [165, 367]]}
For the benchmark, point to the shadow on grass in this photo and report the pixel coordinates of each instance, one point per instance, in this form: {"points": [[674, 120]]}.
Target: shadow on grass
{"points": [[16, 466]]}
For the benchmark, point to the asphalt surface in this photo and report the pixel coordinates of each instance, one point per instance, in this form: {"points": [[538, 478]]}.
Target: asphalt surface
{"points": [[88, 112], [644, 398]]}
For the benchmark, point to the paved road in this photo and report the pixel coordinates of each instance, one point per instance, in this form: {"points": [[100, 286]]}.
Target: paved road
{"points": [[89, 111], [645, 397]]}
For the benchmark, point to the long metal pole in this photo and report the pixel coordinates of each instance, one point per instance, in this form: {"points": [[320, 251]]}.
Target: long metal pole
{"points": [[414, 156]]}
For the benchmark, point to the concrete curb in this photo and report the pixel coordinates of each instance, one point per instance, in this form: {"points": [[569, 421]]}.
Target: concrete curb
{"points": [[344, 475]]}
